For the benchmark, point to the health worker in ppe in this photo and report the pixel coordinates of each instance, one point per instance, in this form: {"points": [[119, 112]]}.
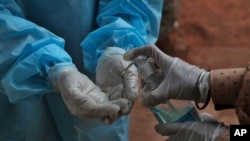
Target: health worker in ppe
{"points": [[61, 67], [228, 88]]}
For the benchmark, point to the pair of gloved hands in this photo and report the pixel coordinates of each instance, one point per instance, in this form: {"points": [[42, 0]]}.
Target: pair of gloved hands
{"points": [[112, 96], [181, 81]]}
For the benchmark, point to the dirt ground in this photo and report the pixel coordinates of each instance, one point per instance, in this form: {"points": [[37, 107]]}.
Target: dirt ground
{"points": [[212, 34]]}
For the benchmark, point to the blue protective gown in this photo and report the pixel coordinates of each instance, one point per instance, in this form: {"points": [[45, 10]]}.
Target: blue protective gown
{"points": [[37, 34]]}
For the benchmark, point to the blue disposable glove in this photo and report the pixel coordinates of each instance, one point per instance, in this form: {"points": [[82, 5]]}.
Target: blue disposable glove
{"points": [[82, 97], [112, 79]]}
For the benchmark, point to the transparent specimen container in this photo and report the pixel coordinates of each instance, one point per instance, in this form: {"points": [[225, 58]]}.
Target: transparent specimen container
{"points": [[171, 110], [174, 111]]}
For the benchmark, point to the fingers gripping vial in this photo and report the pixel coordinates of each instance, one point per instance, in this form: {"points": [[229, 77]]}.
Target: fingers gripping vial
{"points": [[170, 110], [148, 72]]}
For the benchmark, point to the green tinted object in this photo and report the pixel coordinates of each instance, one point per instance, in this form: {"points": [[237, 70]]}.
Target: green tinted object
{"points": [[174, 112]]}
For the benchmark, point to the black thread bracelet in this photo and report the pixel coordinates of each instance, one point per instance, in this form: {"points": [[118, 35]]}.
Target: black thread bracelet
{"points": [[196, 101], [205, 104]]}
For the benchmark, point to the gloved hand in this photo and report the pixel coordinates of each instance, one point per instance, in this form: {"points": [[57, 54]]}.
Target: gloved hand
{"points": [[180, 80], [82, 97], [111, 79], [209, 129]]}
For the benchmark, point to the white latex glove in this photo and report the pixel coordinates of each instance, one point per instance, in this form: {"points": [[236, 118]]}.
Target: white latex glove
{"points": [[82, 97], [207, 130], [179, 81], [111, 79]]}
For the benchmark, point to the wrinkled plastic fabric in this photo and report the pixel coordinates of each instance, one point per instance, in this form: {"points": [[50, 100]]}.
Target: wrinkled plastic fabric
{"points": [[132, 23], [37, 34]]}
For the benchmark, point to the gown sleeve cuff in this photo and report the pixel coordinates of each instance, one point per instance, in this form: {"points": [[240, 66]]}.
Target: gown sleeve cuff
{"points": [[56, 70]]}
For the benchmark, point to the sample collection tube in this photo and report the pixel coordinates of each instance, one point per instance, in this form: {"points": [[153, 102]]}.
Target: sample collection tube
{"points": [[171, 110]]}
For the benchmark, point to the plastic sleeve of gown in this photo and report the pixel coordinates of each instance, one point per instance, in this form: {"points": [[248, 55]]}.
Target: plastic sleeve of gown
{"points": [[126, 24], [122, 23], [27, 53]]}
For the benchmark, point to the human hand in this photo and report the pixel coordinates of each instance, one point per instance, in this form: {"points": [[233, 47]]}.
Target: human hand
{"points": [[112, 79], [180, 78], [82, 97], [209, 129]]}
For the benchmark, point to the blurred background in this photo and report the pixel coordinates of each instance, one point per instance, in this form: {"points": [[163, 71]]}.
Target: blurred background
{"points": [[212, 34]]}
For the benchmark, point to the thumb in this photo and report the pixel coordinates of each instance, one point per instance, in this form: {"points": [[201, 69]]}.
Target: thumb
{"points": [[124, 104], [167, 129], [147, 50], [206, 117], [131, 84]]}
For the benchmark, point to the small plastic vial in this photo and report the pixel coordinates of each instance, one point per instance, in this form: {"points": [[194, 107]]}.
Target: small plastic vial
{"points": [[149, 73], [172, 110]]}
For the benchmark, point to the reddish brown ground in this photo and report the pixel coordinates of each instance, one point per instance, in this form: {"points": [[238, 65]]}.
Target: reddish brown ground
{"points": [[213, 34]]}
